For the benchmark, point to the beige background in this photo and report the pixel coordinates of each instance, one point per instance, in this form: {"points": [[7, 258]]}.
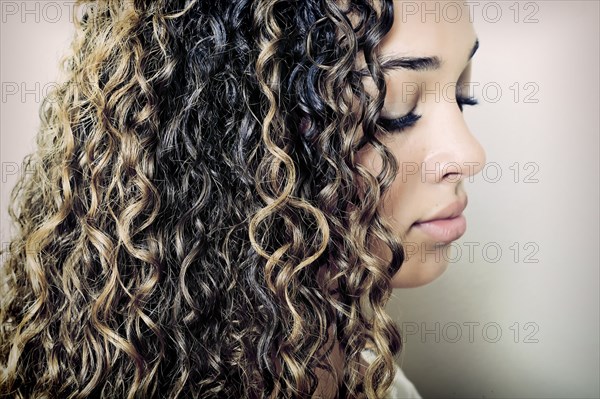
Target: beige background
{"points": [[496, 324]]}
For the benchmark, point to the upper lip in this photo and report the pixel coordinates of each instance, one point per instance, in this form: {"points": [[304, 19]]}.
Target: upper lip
{"points": [[451, 211]]}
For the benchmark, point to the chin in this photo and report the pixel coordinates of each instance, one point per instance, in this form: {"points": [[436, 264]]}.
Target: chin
{"points": [[414, 273]]}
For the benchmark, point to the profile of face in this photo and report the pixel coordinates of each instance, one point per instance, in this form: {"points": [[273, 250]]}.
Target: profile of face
{"points": [[428, 136]]}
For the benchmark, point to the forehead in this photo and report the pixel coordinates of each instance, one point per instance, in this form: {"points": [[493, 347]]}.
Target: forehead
{"points": [[430, 28]]}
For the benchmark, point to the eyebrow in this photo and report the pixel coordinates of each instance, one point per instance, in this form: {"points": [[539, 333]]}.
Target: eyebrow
{"points": [[414, 63]]}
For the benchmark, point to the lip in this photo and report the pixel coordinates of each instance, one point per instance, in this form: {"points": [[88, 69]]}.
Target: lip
{"points": [[447, 225]]}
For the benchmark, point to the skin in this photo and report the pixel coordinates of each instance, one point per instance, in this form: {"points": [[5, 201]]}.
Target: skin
{"points": [[440, 142]]}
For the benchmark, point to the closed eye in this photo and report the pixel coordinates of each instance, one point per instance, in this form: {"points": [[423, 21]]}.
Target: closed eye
{"points": [[465, 100], [408, 120], [399, 124]]}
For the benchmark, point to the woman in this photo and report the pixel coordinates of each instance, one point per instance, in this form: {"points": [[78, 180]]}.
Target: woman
{"points": [[224, 195]]}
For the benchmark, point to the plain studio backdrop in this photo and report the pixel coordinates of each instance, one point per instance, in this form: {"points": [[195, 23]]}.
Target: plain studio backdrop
{"points": [[517, 312]]}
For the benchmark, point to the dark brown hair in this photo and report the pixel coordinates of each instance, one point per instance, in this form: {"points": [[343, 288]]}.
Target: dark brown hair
{"points": [[195, 224]]}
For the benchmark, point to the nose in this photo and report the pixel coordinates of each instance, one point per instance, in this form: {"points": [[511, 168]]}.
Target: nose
{"points": [[455, 154]]}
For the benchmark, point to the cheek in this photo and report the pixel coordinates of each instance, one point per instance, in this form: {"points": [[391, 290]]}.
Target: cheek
{"points": [[397, 206], [401, 206]]}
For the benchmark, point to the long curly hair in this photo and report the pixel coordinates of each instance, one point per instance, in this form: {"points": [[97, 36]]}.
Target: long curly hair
{"points": [[193, 223]]}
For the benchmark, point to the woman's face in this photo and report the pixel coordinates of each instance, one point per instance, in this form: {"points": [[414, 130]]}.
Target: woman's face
{"points": [[436, 152]]}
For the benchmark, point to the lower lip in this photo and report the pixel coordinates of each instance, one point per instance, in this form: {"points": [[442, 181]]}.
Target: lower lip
{"points": [[444, 230]]}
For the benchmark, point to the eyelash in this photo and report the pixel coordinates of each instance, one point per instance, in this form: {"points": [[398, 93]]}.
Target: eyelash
{"points": [[465, 100], [408, 120], [401, 123]]}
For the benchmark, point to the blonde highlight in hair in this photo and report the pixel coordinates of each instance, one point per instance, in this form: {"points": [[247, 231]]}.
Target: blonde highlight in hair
{"points": [[194, 223]]}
